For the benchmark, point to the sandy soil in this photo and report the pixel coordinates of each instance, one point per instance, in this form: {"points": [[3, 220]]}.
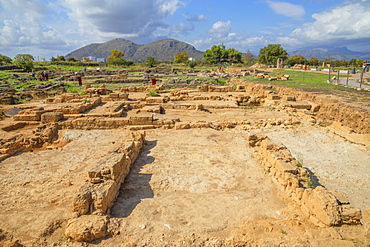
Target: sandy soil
{"points": [[201, 182], [38, 188]]}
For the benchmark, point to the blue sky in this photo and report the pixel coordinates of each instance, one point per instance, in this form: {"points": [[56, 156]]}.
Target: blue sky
{"points": [[46, 28]]}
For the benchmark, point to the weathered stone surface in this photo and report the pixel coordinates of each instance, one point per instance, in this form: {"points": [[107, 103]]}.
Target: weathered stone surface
{"points": [[51, 117], [323, 205], [87, 228], [155, 100], [350, 215]]}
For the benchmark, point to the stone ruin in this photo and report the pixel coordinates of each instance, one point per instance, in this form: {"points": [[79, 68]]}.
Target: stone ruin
{"points": [[103, 109]]}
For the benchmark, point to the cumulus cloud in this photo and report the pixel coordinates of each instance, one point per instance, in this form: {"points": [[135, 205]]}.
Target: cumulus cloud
{"points": [[341, 24], [126, 19], [220, 29], [197, 18], [23, 27], [287, 9]]}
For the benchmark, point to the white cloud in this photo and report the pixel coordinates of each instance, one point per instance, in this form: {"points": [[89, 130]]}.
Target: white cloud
{"points": [[126, 19], [197, 18], [287, 9], [345, 23], [220, 29], [23, 27]]}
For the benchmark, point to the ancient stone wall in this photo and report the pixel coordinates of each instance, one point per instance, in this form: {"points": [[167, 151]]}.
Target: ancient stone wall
{"points": [[43, 134], [320, 206], [329, 110], [97, 196]]}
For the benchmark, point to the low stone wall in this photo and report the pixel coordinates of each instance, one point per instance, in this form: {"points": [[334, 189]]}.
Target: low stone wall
{"points": [[43, 134], [106, 177], [215, 89], [328, 110], [320, 206], [88, 123], [97, 196]]}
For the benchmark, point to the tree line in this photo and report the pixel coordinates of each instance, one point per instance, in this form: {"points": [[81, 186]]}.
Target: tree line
{"points": [[216, 55]]}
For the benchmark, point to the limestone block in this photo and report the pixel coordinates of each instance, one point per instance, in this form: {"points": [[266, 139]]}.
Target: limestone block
{"points": [[51, 117], [87, 228], [350, 215], [340, 197], [288, 98], [267, 144], [301, 105], [141, 120], [323, 205], [273, 96], [82, 201], [285, 167], [199, 125], [179, 126], [315, 107], [154, 109], [155, 100]]}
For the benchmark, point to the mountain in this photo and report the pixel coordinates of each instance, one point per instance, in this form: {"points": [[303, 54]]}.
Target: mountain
{"points": [[161, 50], [337, 53]]}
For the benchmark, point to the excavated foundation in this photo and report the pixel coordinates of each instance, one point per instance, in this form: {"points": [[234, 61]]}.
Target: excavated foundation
{"points": [[192, 166]]}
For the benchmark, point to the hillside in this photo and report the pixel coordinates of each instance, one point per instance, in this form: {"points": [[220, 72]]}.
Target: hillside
{"points": [[161, 50]]}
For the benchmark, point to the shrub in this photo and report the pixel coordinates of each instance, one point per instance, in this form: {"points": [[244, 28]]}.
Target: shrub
{"points": [[153, 92]]}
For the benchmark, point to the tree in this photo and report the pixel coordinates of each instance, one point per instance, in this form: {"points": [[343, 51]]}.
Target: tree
{"points": [[71, 59], [297, 59], [271, 53], [181, 57], [248, 58], [150, 62], [5, 59], [116, 58], [192, 64], [58, 58], [217, 54], [25, 61], [233, 55], [356, 62], [314, 61]]}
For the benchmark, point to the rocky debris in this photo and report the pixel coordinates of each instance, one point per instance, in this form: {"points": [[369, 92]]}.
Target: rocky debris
{"points": [[87, 228]]}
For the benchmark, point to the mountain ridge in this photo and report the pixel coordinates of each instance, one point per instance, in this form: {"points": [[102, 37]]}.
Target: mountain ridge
{"points": [[161, 50], [336, 53], [166, 49]]}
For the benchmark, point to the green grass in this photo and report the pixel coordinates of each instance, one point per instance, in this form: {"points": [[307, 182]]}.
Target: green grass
{"points": [[73, 88], [310, 81], [153, 92]]}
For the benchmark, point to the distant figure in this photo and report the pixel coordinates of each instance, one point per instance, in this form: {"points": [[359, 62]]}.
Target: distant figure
{"points": [[33, 73], [42, 76]]}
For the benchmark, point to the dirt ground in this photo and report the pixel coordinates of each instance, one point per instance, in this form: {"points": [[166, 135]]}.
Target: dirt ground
{"points": [[38, 188], [191, 187]]}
